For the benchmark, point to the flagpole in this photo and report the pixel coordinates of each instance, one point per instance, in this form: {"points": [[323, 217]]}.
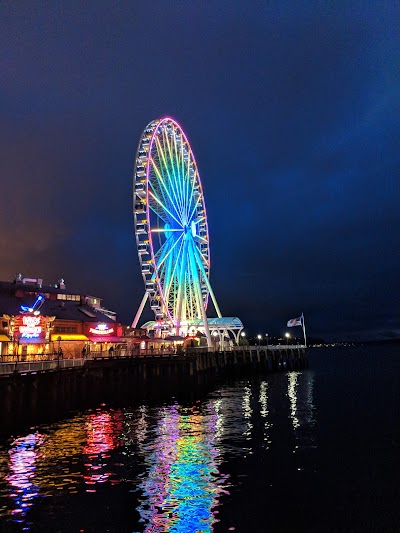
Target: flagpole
{"points": [[304, 331]]}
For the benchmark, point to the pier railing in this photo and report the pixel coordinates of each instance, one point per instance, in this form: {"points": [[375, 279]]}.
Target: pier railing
{"points": [[53, 362], [23, 367]]}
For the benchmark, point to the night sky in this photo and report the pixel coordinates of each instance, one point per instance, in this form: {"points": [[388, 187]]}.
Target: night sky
{"points": [[293, 113]]}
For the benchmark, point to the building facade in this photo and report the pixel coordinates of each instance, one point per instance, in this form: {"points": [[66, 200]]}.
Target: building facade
{"points": [[38, 320]]}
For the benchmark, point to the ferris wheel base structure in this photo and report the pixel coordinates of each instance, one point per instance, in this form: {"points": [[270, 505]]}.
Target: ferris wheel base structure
{"points": [[172, 237], [222, 329]]}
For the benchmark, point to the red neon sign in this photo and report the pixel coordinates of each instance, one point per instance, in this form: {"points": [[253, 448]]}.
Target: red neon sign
{"points": [[101, 329], [30, 328]]}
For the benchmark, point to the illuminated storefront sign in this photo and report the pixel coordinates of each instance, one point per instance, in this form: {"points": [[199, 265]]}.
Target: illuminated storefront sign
{"points": [[35, 307], [30, 328], [101, 329]]}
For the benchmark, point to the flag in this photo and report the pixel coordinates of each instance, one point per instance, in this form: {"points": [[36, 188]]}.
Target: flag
{"points": [[294, 322]]}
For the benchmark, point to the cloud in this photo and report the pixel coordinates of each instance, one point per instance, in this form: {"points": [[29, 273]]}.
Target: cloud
{"points": [[292, 111]]}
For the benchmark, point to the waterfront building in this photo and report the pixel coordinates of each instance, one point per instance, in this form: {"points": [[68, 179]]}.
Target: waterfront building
{"points": [[38, 320]]}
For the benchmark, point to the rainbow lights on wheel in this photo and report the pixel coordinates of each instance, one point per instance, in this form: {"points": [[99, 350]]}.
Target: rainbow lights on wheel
{"points": [[171, 227]]}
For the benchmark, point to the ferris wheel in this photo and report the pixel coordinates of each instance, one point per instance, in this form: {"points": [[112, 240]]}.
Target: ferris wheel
{"points": [[171, 227]]}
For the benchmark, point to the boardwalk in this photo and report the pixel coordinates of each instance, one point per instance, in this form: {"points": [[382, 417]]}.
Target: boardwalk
{"points": [[280, 353], [36, 391]]}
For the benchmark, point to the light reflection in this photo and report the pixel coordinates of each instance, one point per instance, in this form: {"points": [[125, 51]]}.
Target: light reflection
{"points": [[292, 393], [264, 412], [170, 457], [302, 409], [233, 422], [22, 464], [104, 431], [183, 483], [247, 411], [141, 425], [216, 405], [58, 466]]}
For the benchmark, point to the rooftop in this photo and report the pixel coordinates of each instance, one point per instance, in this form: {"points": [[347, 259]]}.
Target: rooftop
{"points": [[10, 303]]}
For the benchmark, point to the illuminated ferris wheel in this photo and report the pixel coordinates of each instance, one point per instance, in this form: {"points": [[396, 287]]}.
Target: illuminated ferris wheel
{"points": [[171, 227]]}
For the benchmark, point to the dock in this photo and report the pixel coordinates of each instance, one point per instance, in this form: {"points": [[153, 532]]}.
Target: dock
{"points": [[32, 392], [272, 358]]}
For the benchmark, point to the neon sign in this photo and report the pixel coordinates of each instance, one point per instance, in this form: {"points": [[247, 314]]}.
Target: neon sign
{"points": [[35, 307], [101, 329], [30, 328]]}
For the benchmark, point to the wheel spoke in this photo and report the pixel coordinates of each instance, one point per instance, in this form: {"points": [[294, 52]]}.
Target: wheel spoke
{"points": [[163, 206], [189, 188], [161, 251], [161, 230], [194, 209], [174, 182], [162, 158], [170, 281], [179, 177], [162, 182], [172, 247]]}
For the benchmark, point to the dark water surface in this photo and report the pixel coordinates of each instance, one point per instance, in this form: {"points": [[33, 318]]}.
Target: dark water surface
{"points": [[313, 450]]}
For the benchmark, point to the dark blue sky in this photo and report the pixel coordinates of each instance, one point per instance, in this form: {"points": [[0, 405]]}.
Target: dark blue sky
{"points": [[293, 113]]}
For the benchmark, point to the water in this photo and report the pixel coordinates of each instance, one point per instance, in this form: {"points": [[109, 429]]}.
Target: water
{"points": [[314, 450]]}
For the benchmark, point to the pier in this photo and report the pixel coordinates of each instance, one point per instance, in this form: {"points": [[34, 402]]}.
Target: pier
{"points": [[272, 358], [38, 391]]}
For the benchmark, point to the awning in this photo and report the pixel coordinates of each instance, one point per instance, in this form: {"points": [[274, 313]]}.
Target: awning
{"points": [[105, 338], [37, 340], [4, 338], [68, 337]]}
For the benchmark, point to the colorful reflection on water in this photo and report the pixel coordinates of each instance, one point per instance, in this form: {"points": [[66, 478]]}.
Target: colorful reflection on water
{"points": [[23, 456], [167, 462], [178, 455], [183, 482], [103, 432]]}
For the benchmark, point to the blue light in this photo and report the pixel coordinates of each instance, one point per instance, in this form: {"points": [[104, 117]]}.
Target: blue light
{"points": [[35, 307]]}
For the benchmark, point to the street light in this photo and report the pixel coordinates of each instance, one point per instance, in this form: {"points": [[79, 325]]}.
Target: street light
{"points": [[243, 335], [267, 339], [287, 335], [215, 334], [259, 338]]}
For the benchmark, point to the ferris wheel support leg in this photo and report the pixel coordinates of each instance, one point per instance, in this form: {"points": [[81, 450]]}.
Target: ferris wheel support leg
{"points": [[140, 310], [198, 259], [206, 328], [237, 336], [199, 295]]}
